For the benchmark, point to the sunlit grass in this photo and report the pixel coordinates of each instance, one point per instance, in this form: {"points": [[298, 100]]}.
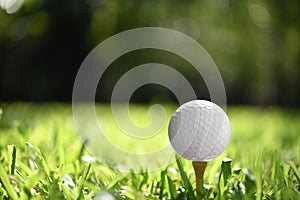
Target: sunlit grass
{"points": [[140, 117], [41, 156]]}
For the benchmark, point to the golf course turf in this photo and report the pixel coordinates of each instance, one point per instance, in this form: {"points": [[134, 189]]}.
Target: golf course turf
{"points": [[42, 157]]}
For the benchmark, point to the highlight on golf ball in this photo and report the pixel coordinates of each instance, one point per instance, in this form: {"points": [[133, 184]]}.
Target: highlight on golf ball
{"points": [[199, 130]]}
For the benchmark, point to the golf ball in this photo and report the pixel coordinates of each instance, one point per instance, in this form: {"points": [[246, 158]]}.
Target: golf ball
{"points": [[199, 130]]}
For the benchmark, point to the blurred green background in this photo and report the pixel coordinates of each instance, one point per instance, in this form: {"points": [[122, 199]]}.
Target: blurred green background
{"points": [[255, 44]]}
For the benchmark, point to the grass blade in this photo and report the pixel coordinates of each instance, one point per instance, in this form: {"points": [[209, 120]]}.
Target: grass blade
{"points": [[145, 179], [226, 174], [172, 188], [226, 170], [294, 168], [40, 159], [6, 182], [12, 158], [186, 181], [258, 177], [162, 182], [249, 184], [81, 182]]}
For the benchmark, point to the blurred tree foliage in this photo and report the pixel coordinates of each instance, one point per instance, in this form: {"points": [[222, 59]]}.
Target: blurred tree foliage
{"points": [[255, 44]]}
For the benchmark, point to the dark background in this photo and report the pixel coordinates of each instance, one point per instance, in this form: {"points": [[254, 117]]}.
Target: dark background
{"points": [[255, 44]]}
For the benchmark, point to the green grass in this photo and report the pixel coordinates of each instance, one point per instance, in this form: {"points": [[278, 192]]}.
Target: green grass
{"points": [[41, 158]]}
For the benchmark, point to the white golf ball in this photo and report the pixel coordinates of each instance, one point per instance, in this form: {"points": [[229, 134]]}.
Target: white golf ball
{"points": [[199, 130]]}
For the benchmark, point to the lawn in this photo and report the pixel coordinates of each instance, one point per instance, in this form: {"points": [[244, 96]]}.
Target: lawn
{"points": [[42, 157]]}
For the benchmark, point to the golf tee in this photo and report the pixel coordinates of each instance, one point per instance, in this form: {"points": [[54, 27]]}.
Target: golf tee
{"points": [[199, 168]]}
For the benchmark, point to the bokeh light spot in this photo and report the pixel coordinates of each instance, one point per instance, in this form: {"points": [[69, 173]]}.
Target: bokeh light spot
{"points": [[259, 15]]}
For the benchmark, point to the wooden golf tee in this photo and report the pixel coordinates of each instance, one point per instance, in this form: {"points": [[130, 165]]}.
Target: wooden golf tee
{"points": [[199, 168]]}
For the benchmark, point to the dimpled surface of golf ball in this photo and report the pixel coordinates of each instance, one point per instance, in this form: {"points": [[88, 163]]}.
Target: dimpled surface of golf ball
{"points": [[199, 130]]}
